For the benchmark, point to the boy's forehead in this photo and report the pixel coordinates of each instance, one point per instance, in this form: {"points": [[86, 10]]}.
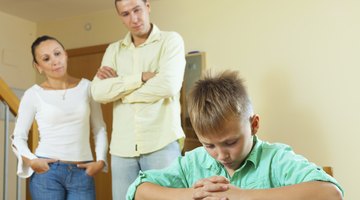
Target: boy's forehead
{"points": [[230, 130]]}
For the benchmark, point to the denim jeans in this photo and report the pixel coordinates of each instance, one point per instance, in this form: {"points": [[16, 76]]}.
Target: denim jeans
{"points": [[125, 170], [62, 181]]}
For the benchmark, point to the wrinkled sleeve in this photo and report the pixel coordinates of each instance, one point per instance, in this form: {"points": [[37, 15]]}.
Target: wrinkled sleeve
{"points": [[168, 80], [112, 89], [173, 176], [25, 118], [98, 129], [294, 169]]}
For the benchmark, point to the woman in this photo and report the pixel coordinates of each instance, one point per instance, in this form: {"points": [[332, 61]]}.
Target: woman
{"points": [[62, 166]]}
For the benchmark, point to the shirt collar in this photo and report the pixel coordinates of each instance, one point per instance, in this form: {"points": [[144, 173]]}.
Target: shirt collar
{"points": [[255, 154], [154, 36]]}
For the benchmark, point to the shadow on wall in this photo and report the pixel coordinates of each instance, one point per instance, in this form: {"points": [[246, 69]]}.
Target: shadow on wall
{"points": [[286, 119]]}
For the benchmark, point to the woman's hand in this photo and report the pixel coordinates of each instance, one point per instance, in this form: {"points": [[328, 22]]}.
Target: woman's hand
{"points": [[41, 165], [92, 168]]}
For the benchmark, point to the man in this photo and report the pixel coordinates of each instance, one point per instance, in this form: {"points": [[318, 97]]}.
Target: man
{"points": [[142, 75]]}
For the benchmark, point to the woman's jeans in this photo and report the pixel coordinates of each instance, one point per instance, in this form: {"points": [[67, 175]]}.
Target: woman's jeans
{"points": [[62, 181], [125, 170]]}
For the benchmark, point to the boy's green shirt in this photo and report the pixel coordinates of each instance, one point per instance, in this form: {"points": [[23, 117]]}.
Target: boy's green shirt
{"points": [[267, 166]]}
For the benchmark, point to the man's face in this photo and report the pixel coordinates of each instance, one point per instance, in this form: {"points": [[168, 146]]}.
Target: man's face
{"points": [[233, 144], [135, 16]]}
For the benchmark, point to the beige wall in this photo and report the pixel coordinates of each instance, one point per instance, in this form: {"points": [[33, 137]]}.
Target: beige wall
{"points": [[299, 59], [16, 36], [105, 28]]}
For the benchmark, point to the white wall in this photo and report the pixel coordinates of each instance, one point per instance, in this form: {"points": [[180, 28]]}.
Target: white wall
{"points": [[299, 58], [16, 36]]}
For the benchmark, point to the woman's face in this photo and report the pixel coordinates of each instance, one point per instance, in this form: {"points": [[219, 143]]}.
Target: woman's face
{"points": [[51, 59]]}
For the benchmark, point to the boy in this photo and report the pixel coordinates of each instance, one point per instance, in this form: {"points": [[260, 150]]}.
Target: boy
{"points": [[233, 163]]}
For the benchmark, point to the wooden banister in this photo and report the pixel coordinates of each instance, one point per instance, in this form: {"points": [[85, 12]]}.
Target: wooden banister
{"points": [[7, 95]]}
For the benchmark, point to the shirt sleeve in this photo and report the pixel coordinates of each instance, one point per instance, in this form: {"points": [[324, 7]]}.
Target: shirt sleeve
{"points": [[112, 89], [173, 176], [168, 81], [293, 169], [98, 128], [25, 118]]}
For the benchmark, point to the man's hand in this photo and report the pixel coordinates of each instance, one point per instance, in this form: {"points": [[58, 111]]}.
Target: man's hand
{"points": [[41, 165], [105, 72], [92, 168], [147, 75], [209, 188]]}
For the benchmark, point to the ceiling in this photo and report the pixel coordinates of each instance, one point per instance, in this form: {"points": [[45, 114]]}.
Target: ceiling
{"points": [[47, 10]]}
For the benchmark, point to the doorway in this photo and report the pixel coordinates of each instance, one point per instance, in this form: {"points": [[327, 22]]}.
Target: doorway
{"points": [[84, 63]]}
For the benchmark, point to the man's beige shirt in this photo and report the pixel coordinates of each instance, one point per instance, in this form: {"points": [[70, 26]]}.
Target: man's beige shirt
{"points": [[146, 116]]}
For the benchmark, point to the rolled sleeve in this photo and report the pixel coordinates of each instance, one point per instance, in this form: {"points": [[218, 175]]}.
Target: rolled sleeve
{"points": [[172, 176], [132, 189]]}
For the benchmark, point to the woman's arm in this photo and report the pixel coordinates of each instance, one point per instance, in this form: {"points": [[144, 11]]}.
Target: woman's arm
{"points": [[98, 129], [25, 118]]}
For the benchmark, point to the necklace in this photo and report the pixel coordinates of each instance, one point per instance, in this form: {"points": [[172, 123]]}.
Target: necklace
{"points": [[63, 91]]}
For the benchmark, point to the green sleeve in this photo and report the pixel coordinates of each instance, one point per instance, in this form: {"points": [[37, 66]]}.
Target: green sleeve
{"points": [[172, 177]]}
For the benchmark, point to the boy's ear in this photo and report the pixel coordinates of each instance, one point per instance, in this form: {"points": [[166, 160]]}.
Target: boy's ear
{"points": [[254, 124]]}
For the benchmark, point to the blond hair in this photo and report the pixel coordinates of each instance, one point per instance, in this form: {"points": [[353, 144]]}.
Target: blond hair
{"points": [[217, 98]]}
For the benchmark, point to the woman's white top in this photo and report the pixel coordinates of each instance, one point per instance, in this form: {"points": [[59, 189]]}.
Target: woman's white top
{"points": [[64, 118]]}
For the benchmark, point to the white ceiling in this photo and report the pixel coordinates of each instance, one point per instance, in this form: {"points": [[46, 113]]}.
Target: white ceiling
{"points": [[47, 10]]}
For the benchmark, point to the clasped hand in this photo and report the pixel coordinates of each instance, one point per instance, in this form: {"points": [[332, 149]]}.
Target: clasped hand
{"points": [[211, 188]]}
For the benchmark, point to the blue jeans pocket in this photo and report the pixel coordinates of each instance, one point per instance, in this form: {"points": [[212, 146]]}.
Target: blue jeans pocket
{"points": [[62, 181]]}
